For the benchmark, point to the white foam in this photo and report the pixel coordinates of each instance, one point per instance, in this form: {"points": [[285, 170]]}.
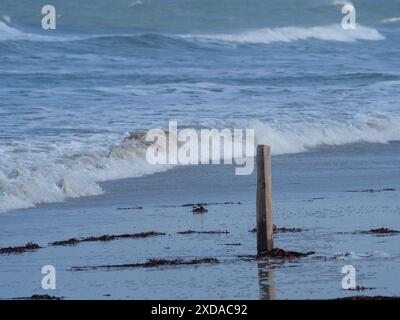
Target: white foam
{"points": [[286, 138], [391, 20], [290, 34], [72, 175], [10, 33], [53, 172], [360, 256], [7, 18], [136, 3], [341, 3]]}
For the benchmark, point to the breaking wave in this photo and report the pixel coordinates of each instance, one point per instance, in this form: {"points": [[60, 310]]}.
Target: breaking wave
{"points": [[8, 33], [288, 138], [290, 34], [73, 175], [259, 36], [78, 174]]}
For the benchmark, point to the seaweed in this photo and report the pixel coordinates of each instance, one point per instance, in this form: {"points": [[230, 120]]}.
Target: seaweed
{"points": [[104, 238], [30, 246], [40, 297], [151, 263], [380, 231], [373, 190], [203, 232], [282, 254], [201, 204], [281, 230], [130, 208]]}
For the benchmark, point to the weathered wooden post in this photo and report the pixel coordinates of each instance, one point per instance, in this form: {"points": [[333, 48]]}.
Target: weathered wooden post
{"points": [[265, 230]]}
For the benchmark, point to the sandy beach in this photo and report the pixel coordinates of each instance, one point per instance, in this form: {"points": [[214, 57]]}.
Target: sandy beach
{"points": [[333, 195]]}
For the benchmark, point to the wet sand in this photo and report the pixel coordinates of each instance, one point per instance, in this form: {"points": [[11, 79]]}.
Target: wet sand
{"points": [[311, 192]]}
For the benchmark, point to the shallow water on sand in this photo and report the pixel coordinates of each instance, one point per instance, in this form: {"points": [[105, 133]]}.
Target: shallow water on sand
{"points": [[310, 192]]}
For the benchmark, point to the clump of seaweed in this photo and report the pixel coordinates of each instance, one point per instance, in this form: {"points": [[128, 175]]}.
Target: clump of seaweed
{"points": [[40, 297], [373, 190], [281, 230], [381, 231], [151, 263], [277, 253], [104, 238], [30, 246], [203, 232]]}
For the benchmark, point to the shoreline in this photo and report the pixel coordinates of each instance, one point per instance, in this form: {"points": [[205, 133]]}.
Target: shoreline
{"points": [[309, 194]]}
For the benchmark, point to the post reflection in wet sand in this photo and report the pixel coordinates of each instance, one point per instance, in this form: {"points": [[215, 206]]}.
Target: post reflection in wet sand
{"points": [[266, 282]]}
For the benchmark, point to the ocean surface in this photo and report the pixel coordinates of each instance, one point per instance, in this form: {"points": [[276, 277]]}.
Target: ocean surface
{"points": [[70, 97]]}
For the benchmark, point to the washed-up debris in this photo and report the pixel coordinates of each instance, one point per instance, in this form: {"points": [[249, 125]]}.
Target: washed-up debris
{"points": [[40, 297], [130, 208], [151, 263], [203, 232], [199, 209], [278, 254], [282, 254], [369, 298], [232, 244], [74, 241], [358, 288], [380, 231], [201, 204], [373, 190], [286, 230], [28, 247], [313, 199], [281, 230]]}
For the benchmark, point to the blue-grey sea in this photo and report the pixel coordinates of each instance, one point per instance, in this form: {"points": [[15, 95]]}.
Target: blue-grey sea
{"points": [[69, 97]]}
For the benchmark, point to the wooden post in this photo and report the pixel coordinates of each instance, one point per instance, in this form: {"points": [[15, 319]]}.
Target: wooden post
{"points": [[265, 230]]}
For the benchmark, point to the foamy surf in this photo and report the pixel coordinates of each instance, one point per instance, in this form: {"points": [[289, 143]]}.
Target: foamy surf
{"points": [[391, 20], [290, 34], [68, 174], [287, 138], [351, 255], [9, 33], [72, 176]]}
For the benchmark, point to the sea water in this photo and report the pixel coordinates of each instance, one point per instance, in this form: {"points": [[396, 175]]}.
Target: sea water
{"points": [[69, 97]]}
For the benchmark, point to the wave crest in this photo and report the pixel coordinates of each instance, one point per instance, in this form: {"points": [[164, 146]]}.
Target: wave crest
{"points": [[290, 34]]}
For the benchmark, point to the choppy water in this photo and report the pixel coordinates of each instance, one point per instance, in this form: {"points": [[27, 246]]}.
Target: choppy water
{"points": [[69, 97]]}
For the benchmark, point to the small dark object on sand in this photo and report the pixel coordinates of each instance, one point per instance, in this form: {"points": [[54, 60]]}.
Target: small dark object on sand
{"points": [[201, 204], [28, 247], [358, 288], [282, 254], [373, 190], [209, 204], [369, 298], [199, 209], [39, 297], [381, 231], [104, 238], [151, 263], [131, 208], [203, 232]]}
